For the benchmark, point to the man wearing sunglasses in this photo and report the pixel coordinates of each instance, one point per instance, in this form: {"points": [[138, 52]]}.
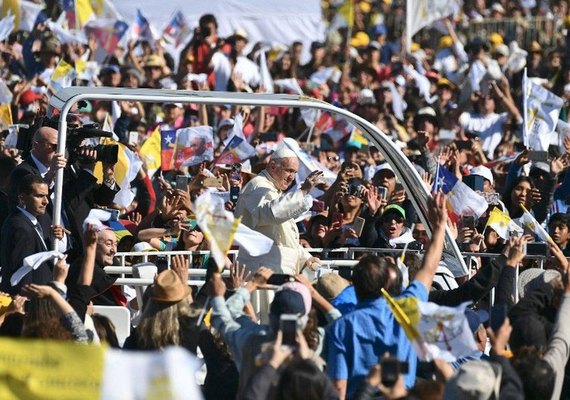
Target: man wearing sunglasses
{"points": [[392, 231], [43, 159]]}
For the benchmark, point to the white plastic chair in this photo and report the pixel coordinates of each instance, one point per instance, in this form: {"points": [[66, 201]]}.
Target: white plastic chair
{"points": [[121, 318], [146, 270]]}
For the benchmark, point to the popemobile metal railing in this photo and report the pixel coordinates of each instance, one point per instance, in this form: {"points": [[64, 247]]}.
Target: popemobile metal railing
{"points": [[335, 259]]}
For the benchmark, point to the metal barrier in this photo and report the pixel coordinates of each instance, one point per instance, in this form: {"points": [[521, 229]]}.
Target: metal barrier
{"points": [[196, 275]]}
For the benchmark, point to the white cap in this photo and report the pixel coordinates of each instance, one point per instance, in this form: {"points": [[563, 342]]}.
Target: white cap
{"points": [[283, 152], [143, 246], [225, 122], [382, 167], [483, 171]]}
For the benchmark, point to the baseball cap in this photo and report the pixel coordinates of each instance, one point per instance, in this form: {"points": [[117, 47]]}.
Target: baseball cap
{"points": [[287, 301], [483, 171], [225, 122], [28, 97], [302, 290], [394, 208], [476, 318]]}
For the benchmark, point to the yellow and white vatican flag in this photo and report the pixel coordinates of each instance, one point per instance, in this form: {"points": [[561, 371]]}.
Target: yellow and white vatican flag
{"points": [[435, 331], [528, 221], [218, 225], [221, 229], [502, 224], [541, 109], [62, 76]]}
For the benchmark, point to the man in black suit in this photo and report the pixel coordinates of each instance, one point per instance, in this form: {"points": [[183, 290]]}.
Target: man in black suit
{"points": [[25, 232], [43, 160], [81, 192]]}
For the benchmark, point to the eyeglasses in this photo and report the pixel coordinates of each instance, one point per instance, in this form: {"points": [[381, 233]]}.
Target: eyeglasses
{"points": [[333, 158]]}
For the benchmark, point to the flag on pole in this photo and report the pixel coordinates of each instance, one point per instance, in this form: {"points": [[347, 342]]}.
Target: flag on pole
{"points": [[308, 163], [5, 93], [107, 32], [83, 12], [68, 7], [460, 198], [528, 221], [218, 225], [422, 13], [193, 146], [434, 331], [541, 109], [237, 150], [120, 230], [150, 151], [62, 76], [25, 13], [357, 139], [177, 29], [6, 115], [347, 12], [502, 224], [11, 7], [7, 25], [167, 146], [141, 28], [64, 35], [266, 79]]}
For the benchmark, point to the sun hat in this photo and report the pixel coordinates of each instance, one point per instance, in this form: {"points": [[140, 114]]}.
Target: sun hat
{"points": [[168, 288]]}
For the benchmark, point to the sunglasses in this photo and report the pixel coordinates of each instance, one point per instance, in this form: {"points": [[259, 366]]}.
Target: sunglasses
{"points": [[333, 158], [398, 218]]}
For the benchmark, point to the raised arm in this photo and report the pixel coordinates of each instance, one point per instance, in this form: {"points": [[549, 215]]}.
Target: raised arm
{"points": [[437, 215]]}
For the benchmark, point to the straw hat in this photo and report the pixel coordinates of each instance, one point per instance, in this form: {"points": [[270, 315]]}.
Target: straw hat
{"points": [[168, 288]]}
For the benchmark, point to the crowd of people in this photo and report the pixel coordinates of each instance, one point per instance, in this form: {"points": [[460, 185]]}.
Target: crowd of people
{"points": [[452, 104]]}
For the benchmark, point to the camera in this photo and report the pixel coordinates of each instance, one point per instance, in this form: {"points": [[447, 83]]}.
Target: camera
{"points": [[391, 368], [76, 134]]}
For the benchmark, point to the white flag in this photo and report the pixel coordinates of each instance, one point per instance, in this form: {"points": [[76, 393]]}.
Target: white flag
{"points": [[64, 36], [6, 26], [541, 109], [152, 374], [29, 12], [421, 13], [5, 93], [32, 263], [266, 79], [290, 84], [255, 243]]}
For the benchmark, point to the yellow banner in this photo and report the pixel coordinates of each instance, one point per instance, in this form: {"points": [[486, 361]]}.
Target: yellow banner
{"points": [[42, 369]]}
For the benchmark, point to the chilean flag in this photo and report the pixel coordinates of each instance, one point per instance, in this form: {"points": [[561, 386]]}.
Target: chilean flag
{"points": [[167, 146], [461, 199]]}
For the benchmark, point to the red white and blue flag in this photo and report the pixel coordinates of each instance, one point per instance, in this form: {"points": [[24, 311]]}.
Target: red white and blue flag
{"points": [[237, 150], [69, 10], [177, 30], [141, 27], [167, 146], [460, 198], [107, 32]]}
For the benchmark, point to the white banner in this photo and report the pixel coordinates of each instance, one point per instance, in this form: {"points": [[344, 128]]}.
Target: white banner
{"points": [[541, 110], [421, 13], [265, 21]]}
